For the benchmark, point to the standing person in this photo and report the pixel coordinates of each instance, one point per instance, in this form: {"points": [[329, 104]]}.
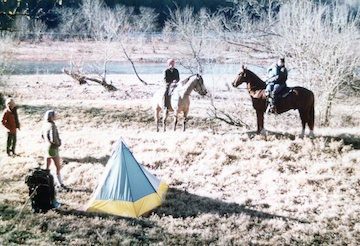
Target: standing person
{"points": [[52, 142], [171, 77], [277, 81], [11, 122]]}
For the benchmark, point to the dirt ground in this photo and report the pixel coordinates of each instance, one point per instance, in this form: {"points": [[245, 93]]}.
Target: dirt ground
{"points": [[227, 185]]}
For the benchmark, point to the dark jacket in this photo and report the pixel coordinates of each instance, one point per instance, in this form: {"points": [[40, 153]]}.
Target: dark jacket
{"points": [[170, 75]]}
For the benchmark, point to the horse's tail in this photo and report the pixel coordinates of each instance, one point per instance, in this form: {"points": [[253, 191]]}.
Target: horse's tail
{"points": [[311, 121]]}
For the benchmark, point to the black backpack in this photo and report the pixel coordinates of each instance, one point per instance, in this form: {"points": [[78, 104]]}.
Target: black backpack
{"points": [[41, 189]]}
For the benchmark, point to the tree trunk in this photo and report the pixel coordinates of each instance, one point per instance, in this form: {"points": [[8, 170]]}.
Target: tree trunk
{"points": [[329, 102], [132, 64], [84, 80]]}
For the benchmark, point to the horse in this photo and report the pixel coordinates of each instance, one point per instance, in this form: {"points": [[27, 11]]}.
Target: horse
{"points": [[298, 98], [179, 101]]}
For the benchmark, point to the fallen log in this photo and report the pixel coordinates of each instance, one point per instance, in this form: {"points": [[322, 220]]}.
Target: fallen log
{"points": [[82, 79]]}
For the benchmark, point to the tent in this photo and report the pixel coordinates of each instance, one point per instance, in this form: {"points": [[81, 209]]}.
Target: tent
{"points": [[126, 188]]}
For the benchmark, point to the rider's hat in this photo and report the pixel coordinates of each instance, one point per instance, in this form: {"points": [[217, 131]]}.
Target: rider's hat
{"points": [[171, 60]]}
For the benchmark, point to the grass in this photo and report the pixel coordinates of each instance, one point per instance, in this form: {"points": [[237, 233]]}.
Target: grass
{"points": [[227, 185]]}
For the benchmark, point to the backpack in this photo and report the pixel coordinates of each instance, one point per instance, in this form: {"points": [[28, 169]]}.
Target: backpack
{"points": [[41, 189]]}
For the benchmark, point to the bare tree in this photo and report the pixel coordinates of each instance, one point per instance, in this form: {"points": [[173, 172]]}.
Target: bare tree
{"points": [[146, 21], [21, 27], [70, 23], [194, 29], [38, 29], [247, 24], [5, 43], [320, 40], [130, 23], [109, 27], [100, 23]]}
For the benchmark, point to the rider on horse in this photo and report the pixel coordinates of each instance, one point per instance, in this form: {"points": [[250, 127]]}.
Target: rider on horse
{"points": [[277, 82], [171, 77]]}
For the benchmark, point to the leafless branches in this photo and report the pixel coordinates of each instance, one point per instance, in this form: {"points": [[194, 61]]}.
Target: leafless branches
{"points": [[320, 40], [84, 79], [226, 117], [194, 29], [107, 27]]}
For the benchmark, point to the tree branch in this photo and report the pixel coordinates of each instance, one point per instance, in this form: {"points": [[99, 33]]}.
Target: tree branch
{"points": [[132, 64], [84, 80], [225, 117]]}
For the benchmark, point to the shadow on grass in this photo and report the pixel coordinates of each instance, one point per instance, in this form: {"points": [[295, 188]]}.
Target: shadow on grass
{"points": [[64, 211], [348, 139], [181, 204], [88, 159], [7, 212], [35, 110]]}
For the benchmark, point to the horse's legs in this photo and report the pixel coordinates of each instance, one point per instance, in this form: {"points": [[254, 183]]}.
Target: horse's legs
{"points": [[185, 118], [260, 121], [165, 115], [175, 119], [311, 122], [304, 120], [157, 117]]}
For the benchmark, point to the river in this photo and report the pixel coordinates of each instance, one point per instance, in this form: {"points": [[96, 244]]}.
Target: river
{"points": [[53, 67]]}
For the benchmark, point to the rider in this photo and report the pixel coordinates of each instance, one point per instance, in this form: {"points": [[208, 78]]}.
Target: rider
{"points": [[277, 81], [171, 77]]}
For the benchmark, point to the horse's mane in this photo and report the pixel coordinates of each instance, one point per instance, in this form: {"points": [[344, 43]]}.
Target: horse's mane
{"points": [[186, 80], [253, 74], [255, 77]]}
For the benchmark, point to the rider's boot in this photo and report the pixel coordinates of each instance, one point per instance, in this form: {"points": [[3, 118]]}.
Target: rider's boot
{"points": [[270, 106], [273, 108]]}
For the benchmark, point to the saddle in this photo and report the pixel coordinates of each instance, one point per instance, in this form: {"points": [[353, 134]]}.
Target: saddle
{"points": [[170, 91], [281, 95], [285, 92], [172, 87]]}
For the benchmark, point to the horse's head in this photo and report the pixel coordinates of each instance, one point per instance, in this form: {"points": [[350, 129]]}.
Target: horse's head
{"points": [[199, 86], [240, 78]]}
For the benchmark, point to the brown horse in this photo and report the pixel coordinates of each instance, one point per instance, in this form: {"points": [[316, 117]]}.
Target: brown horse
{"points": [[298, 98]]}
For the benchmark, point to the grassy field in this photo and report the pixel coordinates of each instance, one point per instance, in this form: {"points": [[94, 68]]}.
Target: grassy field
{"points": [[227, 185]]}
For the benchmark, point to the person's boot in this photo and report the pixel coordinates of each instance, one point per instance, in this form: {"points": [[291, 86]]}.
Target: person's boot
{"points": [[164, 106], [8, 151], [270, 106], [273, 107], [13, 152]]}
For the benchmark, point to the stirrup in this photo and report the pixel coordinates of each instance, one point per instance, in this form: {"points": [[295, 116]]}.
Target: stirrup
{"points": [[271, 109], [268, 109]]}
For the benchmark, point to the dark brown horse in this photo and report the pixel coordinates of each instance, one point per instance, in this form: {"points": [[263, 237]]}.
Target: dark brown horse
{"points": [[299, 98]]}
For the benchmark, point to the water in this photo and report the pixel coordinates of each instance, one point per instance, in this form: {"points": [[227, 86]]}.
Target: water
{"points": [[41, 67]]}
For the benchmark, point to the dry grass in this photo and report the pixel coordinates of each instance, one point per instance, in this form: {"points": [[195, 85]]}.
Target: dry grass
{"points": [[227, 185]]}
